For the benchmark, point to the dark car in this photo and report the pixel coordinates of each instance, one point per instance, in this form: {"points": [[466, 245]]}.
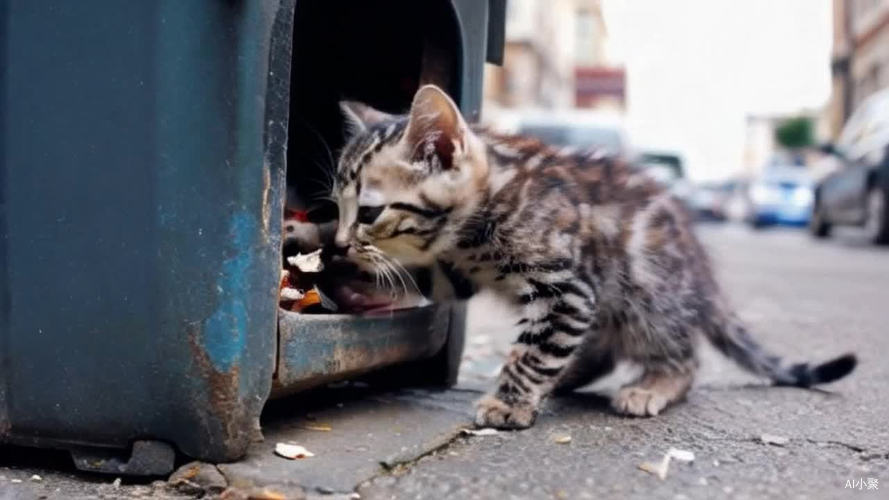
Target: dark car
{"points": [[857, 193]]}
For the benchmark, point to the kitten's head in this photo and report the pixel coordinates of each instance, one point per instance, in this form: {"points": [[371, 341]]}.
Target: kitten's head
{"points": [[405, 183]]}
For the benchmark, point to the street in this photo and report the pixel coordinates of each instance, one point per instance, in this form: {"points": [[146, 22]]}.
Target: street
{"points": [[808, 300]]}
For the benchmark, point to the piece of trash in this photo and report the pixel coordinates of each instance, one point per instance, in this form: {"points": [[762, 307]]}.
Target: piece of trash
{"points": [[36, 477], [311, 298], [198, 479], [318, 427], [327, 303], [660, 469], [292, 451], [773, 439], [487, 431], [681, 455], [288, 293], [562, 439], [16, 481], [266, 494], [116, 483], [307, 263]]}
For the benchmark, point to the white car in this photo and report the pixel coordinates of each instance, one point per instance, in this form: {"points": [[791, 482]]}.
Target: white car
{"points": [[582, 129]]}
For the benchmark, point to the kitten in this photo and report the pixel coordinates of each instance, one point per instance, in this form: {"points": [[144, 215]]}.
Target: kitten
{"points": [[603, 262]]}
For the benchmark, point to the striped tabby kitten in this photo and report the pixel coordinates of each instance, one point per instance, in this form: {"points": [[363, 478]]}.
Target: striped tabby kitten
{"points": [[602, 261]]}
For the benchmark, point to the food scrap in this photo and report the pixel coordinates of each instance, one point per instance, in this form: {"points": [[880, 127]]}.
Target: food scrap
{"points": [[308, 263], [480, 432], [773, 439], [316, 280], [318, 427], [681, 455], [266, 494], [292, 451], [564, 439], [661, 468]]}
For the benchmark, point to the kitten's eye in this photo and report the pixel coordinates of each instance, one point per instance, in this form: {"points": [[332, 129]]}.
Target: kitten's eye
{"points": [[367, 215]]}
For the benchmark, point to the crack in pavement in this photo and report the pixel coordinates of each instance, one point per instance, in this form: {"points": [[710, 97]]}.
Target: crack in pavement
{"points": [[399, 465]]}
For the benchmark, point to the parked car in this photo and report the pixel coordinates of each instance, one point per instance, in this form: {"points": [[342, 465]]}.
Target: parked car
{"points": [[580, 129], [856, 193], [782, 194], [667, 168], [709, 201]]}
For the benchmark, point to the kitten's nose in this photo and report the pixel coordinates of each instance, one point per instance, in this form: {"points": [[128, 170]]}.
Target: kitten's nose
{"points": [[339, 248], [342, 238], [341, 243]]}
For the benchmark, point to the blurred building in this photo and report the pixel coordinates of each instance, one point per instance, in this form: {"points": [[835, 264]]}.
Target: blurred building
{"points": [[555, 57], [860, 59], [761, 148]]}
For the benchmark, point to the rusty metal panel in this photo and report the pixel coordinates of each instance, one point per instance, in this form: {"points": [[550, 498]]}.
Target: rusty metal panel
{"points": [[315, 349]]}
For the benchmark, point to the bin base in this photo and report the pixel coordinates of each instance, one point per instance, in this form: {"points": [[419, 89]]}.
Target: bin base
{"points": [[148, 458]]}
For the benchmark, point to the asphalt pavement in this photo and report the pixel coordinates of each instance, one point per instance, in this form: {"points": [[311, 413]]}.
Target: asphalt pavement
{"points": [[805, 299]]}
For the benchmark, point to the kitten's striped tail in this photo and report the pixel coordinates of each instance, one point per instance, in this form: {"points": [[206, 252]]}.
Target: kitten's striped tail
{"points": [[735, 342]]}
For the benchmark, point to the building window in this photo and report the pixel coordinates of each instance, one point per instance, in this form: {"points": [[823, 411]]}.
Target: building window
{"points": [[585, 38]]}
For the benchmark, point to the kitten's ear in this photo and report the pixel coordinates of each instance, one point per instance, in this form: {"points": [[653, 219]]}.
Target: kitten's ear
{"points": [[435, 129], [359, 116]]}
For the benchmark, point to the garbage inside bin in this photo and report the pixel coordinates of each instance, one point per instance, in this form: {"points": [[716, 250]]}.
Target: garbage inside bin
{"points": [[314, 283]]}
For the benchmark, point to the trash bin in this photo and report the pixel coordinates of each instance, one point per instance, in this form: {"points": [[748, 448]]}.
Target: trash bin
{"points": [[146, 150]]}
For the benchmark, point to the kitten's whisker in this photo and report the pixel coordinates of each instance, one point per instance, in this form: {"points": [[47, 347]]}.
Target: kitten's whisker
{"points": [[397, 274], [402, 270], [390, 273], [384, 281]]}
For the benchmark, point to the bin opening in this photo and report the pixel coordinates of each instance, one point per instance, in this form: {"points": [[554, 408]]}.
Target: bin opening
{"points": [[379, 54], [316, 281]]}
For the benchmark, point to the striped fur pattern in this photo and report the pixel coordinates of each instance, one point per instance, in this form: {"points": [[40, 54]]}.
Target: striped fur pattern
{"points": [[601, 260]]}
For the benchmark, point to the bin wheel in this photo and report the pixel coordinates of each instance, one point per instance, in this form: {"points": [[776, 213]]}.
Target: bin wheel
{"points": [[442, 369]]}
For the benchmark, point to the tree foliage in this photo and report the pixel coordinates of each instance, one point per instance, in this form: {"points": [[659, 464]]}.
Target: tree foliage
{"points": [[794, 133]]}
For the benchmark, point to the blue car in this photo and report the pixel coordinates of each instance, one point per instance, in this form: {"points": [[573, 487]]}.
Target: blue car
{"points": [[783, 194]]}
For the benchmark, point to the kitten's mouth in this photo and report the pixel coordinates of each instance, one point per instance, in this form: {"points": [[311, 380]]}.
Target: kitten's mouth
{"points": [[355, 302], [319, 279]]}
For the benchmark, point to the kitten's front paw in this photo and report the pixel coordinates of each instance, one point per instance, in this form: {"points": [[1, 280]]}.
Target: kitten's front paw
{"points": [[494, 412], [639, 402]]}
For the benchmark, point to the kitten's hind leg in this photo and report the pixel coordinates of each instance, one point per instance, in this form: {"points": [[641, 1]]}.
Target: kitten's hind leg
{"points": [[651, 394]]}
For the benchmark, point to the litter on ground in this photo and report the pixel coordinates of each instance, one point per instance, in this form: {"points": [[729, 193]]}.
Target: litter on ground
{"points": [[318, 427], [480, 432], [773, 439], [292, 451], [661, 468]]}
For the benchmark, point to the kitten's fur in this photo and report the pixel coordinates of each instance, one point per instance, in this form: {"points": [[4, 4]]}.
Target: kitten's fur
{"points": [[602, 260]]}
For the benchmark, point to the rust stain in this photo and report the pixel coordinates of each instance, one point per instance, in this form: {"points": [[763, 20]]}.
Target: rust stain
{"points": [[223, 393]]}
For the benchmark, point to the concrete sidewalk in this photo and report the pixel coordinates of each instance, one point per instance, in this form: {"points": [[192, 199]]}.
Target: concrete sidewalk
{"points": [[804, 299]]}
